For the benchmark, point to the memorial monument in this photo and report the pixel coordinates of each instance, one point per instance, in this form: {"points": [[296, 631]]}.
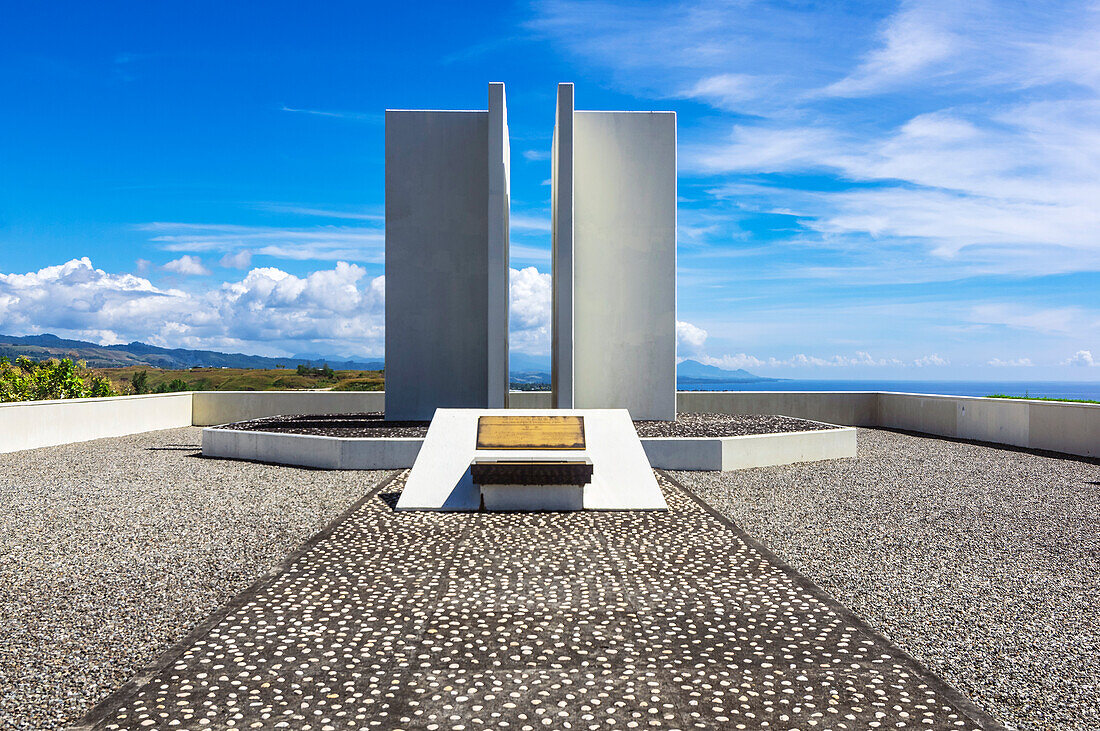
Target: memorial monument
{"points": [[613, 207], [447, 200], [613, 201]]}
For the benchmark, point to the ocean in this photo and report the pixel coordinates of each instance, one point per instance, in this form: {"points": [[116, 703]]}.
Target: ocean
{"points": [[1037, 389]]}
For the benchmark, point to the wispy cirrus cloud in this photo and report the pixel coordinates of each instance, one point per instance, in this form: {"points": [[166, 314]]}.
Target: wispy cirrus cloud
{"points": [[374, 117], [320, 243], [982, 158]]}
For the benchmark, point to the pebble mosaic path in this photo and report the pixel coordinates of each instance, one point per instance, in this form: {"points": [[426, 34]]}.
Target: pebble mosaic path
{"points": [[588, 620]]}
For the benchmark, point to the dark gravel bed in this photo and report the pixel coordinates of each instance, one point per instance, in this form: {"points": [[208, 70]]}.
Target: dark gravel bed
{"points": [[373, 424], [112, 550], [983, 563], [365, 424], [725, 425]]}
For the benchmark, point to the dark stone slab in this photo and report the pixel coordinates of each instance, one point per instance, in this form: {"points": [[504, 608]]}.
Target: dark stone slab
{"points": [[588, 620]]}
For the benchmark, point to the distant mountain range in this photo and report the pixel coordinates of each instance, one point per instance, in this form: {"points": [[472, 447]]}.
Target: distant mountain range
{"points": [[692, 371], [528, 369], [40, 347]]}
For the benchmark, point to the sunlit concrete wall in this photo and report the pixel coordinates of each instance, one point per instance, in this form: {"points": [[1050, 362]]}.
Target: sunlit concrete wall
{"points": [[855, 408], [446, 259], [223, 407], [1058, 427], [614, 251], [30, 424]]}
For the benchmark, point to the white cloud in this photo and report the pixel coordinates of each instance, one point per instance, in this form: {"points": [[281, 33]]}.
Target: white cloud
{"points": [[268, 311], [529, 293], [320, 243], [916, 40], [528, 222], [764, 149], [930, 360], [187, 265], [690, 339], [1081, 358], [536, 155], [236, 260], [1011, 363], [725, 91]]}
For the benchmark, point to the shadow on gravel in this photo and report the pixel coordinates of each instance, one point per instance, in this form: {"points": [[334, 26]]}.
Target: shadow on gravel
{"points": [[390, 499]]}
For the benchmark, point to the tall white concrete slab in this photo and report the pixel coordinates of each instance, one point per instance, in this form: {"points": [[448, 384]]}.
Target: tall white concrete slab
{"points": [[614, 309], [561, 234], [446, 259], [499, 206], [621, 476]]}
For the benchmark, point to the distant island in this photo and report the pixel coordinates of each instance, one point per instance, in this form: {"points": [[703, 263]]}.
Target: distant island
{"points": [[692, 371]]}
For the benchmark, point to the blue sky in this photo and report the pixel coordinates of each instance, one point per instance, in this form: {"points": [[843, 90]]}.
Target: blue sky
{"points": [[868, 190]]}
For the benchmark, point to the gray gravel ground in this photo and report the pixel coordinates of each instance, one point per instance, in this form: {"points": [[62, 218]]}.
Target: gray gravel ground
{"points": [[725, 425], [983, 563], [111, 551]]}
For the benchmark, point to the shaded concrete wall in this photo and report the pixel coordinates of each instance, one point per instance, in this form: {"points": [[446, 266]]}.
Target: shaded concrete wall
{"points": [[442, 181], [500, 193], [561, 255], [31, 424]]}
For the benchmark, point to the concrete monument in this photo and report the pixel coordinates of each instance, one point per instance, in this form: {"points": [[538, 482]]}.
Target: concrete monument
{"points": [[613, 225], [447, 201]]}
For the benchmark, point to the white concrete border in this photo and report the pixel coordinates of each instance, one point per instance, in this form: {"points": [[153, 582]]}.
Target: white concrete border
{"points": [[1069, 428], [32, 424], [308, 450], [752, 450], [669, 453]]}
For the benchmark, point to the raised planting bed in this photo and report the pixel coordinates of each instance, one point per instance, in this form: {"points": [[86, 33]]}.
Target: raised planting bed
{"points": [[367, 441]]}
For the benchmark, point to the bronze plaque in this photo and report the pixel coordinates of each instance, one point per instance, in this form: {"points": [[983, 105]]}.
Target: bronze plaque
{"points": [[530, 432]]}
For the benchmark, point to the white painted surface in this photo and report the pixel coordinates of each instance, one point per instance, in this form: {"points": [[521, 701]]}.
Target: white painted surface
{"points": [[440, 252], [615, 277], [621, 476], [31, 424], [497, 275], [768, 450], [561, 236], [225, 407], [851, 408], [744, 452], [309, 450]]}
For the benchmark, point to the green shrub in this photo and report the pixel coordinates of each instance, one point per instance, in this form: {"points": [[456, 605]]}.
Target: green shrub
{"points": [[27, 380]]}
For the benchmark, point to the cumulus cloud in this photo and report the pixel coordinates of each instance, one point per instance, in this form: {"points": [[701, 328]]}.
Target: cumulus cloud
{"points": [[1011, 363], [529, 292], [1081, 358], [690, 339], [187, 265], [930, 360], [267, 311]]}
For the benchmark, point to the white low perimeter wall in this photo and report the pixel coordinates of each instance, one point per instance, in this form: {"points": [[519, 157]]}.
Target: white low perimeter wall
{"points": [[225, 407], [30, 424], [1049, 425]]}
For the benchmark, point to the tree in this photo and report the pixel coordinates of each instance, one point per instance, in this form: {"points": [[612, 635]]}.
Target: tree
{"points": [[140, 382]]}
